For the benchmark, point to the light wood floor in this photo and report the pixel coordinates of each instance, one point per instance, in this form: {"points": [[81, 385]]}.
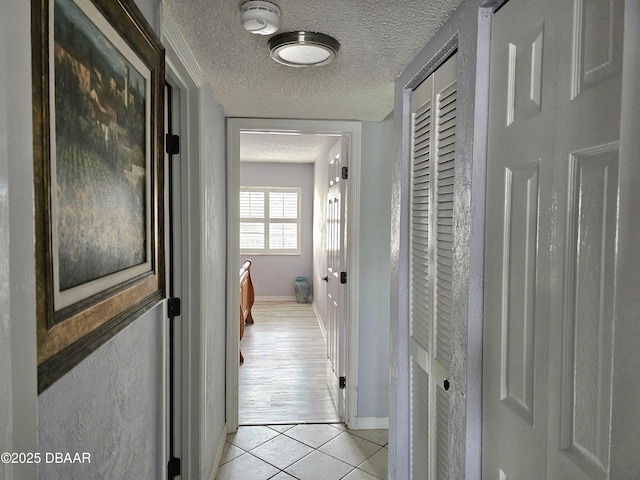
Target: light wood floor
{"points": [[284, 376]]}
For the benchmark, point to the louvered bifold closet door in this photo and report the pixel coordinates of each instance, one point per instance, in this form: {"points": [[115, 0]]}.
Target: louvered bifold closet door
{"points": [[421, 324], [433, 108], [445, 92]]}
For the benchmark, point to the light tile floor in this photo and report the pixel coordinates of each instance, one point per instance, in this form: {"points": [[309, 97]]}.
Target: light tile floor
{"points": [[304, 452]]}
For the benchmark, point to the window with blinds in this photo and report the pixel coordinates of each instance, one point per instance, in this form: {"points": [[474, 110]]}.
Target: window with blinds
{"points": [[270, 220]]}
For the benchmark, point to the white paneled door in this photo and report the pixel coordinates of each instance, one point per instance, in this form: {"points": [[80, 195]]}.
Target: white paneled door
{"points": [[336, 281], [553, 216], [517, 248], [434, 113]]}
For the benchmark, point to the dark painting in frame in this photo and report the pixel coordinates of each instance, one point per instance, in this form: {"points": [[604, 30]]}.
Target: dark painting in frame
{"points": [[98, 83]]}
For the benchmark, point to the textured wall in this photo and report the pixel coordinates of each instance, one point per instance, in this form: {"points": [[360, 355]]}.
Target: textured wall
{"points": [[374, 251], [112, 404], [274, 275], [214, 289]]}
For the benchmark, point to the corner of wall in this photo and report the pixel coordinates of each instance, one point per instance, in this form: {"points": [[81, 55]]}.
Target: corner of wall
{"points": [[218, 458], [369, 423]]}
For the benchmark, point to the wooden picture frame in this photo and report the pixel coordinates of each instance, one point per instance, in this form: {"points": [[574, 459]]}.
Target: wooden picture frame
{"points": [[98, 88]]}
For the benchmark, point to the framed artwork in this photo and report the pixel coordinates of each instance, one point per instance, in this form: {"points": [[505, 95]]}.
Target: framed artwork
{"points": [[98, 83]]}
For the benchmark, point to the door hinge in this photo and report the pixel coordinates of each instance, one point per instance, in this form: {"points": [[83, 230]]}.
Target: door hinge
{"points": [[174, 467], [172, 144], [173, 307], [345, 173], [343, 382], [343, 277]]}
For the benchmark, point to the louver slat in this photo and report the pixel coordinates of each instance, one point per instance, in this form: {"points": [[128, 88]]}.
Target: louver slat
{"points": [[421, 163], [446, 146]]}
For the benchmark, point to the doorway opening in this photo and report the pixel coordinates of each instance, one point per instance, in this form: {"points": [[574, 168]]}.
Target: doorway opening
{"points": [[284, 377], [347, 135]]}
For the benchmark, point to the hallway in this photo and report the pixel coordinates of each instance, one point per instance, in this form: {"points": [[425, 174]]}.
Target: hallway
{"points": [[304, 452], [290, 428]]}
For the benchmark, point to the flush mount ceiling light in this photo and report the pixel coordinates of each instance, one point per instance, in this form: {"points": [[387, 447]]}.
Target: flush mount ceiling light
{"points": [[261, 18], [303, 49]]}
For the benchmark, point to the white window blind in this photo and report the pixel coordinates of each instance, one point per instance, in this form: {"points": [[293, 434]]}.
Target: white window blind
{"points": [[270, 220]]}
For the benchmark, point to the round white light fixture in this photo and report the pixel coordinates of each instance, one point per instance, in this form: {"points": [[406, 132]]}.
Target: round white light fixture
{"points": [[261, 18], [303, 49]]}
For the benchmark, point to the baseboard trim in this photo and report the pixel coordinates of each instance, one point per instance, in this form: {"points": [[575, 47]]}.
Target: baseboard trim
{"points": [[221, 444], [369, 423], [282, 298], [320, 323]]}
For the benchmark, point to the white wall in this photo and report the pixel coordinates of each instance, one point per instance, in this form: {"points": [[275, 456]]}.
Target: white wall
{"points": [[274, 275], [18, 384], [375, 267]]}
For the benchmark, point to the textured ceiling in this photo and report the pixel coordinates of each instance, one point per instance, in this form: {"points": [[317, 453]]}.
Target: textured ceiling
{"points": [[257, 147], [378, 40]]}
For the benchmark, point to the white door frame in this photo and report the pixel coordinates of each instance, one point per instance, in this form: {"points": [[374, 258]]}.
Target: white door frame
{"points": [[234, 127], [183, 73], [18, 350]]}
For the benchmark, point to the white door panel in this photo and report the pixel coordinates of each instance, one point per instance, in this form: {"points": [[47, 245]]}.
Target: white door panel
{"points": [[554, 172], [585, 179], [336, 263], [516, 264]]}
